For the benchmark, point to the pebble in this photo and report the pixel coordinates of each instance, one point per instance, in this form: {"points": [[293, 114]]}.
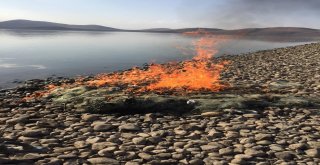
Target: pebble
{"points": [[103, 127], [298, 146], [108, 152], [196, 162], [103, 160], [263, 137], [211, 114], [89, 117], [16, 120], [80, 144], [285, 155], [254, 153], [314, 153], [139, 141], [129, 127], [32, 156], [132, 163], [226, 151], [145, 156], [102, 145]]}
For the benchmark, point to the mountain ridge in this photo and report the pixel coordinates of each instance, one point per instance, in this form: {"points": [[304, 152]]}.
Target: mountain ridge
{"points": [[21, 24], [45, 25]]}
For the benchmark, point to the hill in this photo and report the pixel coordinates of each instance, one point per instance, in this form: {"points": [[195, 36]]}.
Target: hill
{"points": [[249, 32], [41, 25]]}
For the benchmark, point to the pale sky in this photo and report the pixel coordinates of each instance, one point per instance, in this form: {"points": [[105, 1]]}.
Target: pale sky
{"points": [[139, 14]]}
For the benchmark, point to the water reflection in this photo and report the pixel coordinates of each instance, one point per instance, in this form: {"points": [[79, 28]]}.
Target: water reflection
{"points": [[4, 64], [47, 33]]}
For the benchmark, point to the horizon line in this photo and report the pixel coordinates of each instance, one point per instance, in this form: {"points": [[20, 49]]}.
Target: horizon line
{"points": [[159, 27]]}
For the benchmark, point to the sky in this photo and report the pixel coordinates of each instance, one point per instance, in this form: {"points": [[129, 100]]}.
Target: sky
{"points": [[142, 14]]}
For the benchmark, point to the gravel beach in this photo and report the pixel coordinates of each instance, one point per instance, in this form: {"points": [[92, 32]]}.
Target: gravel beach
{"points": [[41, 132]]}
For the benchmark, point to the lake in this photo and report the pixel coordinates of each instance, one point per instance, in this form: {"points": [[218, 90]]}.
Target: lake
{"points": [[40, 54]]}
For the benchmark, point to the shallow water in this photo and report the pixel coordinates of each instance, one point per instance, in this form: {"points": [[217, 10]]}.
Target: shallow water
{"points": [[39, 54]]}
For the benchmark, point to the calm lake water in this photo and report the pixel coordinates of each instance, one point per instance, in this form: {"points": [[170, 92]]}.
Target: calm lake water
{"points": [[39, 54]]}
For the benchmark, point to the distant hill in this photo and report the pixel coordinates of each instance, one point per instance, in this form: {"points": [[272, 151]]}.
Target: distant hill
{"points": [[249, 32], [41, 25], [274, 31]]}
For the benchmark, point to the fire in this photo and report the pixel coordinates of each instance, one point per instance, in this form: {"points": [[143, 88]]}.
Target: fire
{"points": [[192, 76], [189, 76], [196, 75], [204, 48]]}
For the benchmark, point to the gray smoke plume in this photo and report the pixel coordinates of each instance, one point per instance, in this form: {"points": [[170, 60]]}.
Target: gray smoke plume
{"points": [[231, 14]]}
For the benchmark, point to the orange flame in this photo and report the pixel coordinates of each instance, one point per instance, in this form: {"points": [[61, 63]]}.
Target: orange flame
{"points": [[192, 76], [189, 76], [198, 74]]}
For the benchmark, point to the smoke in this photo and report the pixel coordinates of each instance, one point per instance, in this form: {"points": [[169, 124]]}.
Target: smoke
{"points": [[231, 14]]}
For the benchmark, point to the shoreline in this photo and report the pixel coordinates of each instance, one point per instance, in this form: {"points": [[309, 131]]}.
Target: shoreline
{"points": [[21, 82], [283, 130]]}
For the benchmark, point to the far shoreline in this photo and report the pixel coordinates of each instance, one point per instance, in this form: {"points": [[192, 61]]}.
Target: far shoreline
{"points": [[272, 38]]}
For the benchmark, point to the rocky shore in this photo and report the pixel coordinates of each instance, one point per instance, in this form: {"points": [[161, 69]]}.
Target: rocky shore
{"points": [[285, 130]]}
